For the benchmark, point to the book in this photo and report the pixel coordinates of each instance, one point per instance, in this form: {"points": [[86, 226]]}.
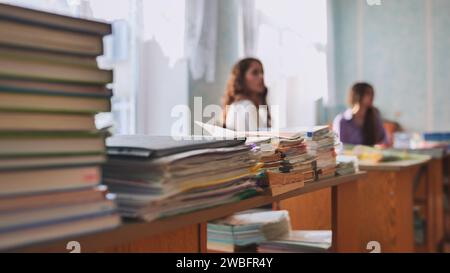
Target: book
{"points": [[246, 229], [218, 247], [48, 180], [11, 221], [54, 199], [317, 241], [50, 149], [279, 189], [30, 162], [37, 37], [34, 65], [24, 237], [13, 101], [217, 131], [17, 144], [160, 146], [54, 88], [38, 121], [36, 17]]}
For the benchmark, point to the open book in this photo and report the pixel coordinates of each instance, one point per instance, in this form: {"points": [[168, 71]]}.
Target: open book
{"points": [[217, 131]]}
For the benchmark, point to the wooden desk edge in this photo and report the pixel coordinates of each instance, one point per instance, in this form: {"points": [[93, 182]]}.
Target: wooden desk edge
{"points": [[129, 232]]}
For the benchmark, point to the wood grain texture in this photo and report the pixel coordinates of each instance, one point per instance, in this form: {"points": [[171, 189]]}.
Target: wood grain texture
{"points": [[436, 176], [429, 196], [203, 235], [378, 208], [184, 240], [311, 211], [436, 196], [344, 210]]}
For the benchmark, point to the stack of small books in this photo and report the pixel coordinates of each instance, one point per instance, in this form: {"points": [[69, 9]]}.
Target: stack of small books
{"points": [[321, 142], [293, 166], [243, 231], [314, 241]]}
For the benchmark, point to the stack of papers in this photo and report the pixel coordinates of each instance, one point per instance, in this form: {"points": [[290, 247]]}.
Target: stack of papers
{"points": [[346, 164], [321, 143], [299, 242], [293, 167], [245, 229], [150, 187], [287, 163], [296, 159]]}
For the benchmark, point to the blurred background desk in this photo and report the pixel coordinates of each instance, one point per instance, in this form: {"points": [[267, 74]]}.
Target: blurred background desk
{"points": [[379, 208]]}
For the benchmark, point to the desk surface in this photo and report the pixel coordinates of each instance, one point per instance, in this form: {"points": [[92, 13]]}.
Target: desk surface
{"points": [[394, 165], [435, 153], [132, 231]]}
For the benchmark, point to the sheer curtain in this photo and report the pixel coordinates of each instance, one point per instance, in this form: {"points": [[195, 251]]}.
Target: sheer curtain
{"points": [[201, 38], [290, 37]]}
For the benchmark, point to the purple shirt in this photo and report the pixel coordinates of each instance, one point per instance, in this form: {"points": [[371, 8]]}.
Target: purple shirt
{"points": [[351, 133]]}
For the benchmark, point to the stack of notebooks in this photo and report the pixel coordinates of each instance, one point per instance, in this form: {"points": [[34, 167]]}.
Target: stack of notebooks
{"points": [[318, 241], [289, 166], [50, 149], [242, 232], [346, 164], [321, 142], [155, 177]]}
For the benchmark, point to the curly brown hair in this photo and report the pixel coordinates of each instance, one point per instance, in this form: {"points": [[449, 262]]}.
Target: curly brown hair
{"points": [[237, 90]]}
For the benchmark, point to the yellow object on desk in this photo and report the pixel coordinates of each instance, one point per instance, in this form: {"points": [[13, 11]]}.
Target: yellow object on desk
{"points": [[376, 155]]}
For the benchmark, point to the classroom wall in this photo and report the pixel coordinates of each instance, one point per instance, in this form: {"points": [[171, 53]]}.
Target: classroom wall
{"points": [[401, 47]]}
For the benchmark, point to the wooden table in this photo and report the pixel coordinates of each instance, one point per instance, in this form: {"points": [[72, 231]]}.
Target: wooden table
{"points": [[379, 207], [430, 195], [187, 232]]}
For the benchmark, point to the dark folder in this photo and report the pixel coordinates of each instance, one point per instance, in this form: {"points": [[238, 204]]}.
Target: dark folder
{"points": [[158, 146]]}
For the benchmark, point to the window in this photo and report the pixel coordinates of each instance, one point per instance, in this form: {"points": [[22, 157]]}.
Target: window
{"points": [[292, 43], [135, 23]]}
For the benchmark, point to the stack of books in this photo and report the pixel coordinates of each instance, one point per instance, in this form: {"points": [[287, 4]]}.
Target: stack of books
{"points": [[242, 232], [50, 150], [321, 142], [155, 177], [346, 164], [317, 241], [290, 166]]}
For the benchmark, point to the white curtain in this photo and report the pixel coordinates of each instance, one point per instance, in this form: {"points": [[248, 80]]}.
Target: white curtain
{"points": [[290, 38], [201, 38], [249, 28]]}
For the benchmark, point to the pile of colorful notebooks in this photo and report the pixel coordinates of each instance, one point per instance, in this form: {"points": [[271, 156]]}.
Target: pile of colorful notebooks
{"points": [[242, 232], [288, 165], [346, 164], [321, 142], [155, 177], [316, 241], [50, 149]]}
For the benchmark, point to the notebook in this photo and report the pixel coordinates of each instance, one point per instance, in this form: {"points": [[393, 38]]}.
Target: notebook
{"points": [[56, 21], [160, 146]]}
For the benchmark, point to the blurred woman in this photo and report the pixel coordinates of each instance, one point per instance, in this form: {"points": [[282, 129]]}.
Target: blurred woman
{"points": [[245, 100], [361, 124]]}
